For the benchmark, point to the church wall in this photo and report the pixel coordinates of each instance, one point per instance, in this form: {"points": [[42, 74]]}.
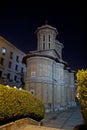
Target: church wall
{"points": [[66, 82], [39, 78], [58, 47], [69, 83], [72, 87], [61, 85], [49, 81]]}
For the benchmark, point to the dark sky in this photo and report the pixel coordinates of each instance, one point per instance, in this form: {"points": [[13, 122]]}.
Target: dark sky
{"points": [[18, 22]]}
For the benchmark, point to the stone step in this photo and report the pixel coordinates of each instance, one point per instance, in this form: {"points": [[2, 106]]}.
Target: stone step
{"points": [[34, 127]]}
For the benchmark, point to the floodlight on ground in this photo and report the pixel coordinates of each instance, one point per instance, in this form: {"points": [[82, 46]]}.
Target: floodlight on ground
{"points": [[15, 87], [20, 88]]}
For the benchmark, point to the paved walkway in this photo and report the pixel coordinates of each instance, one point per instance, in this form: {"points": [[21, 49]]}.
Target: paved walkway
{"points": [[65, 120]]}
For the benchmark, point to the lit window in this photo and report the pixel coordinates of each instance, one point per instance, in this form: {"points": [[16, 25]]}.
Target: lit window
{"points": [[3, 51]]}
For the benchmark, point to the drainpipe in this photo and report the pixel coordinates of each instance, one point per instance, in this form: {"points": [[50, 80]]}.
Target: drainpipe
{"points": [[53, 85]]}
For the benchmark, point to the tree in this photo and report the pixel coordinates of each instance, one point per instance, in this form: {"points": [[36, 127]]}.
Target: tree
{"points": [[82, 90]]}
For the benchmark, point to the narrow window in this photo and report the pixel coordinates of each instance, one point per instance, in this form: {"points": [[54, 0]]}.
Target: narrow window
{"points": [[8, 76], [43, 46], [16, 67], [49, 38], [0, 73], [43, 37], [22, 70], [1, 61], [15, 78], [17, 58], [11, 55], [10, 64], [49, 45]]}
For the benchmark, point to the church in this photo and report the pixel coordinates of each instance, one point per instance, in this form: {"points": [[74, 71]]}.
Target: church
{"points": [[48, 76]]}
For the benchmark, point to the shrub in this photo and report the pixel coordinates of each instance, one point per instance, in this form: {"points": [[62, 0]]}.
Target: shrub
{"points": [[82, 89], [15, 104]]}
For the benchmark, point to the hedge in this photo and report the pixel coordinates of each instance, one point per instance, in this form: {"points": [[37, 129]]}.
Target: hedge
{"points": [[15, 104]]}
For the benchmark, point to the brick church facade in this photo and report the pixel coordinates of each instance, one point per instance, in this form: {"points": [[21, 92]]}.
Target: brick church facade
{"points": [[47, 75]]}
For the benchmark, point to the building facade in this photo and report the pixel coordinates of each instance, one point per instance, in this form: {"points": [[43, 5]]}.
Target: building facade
{"points": [[47, 75], [12, 70]]}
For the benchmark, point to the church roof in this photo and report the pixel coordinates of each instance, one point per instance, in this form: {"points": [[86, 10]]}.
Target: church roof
{"points": [[46, 26], [52, 54]]}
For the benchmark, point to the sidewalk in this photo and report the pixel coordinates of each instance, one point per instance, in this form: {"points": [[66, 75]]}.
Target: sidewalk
{"points": [[64, 120]]}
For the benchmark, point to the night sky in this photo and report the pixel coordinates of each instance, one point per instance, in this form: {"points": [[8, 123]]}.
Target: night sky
{"points": [[19, 21]]}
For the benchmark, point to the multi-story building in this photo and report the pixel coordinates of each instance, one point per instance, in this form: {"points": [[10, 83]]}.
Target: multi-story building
{"points": [[12, 70], [47, 75]]}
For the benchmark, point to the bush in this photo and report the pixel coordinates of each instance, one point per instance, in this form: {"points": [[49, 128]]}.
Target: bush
{"points": [[82, 89], [15, 104]]}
